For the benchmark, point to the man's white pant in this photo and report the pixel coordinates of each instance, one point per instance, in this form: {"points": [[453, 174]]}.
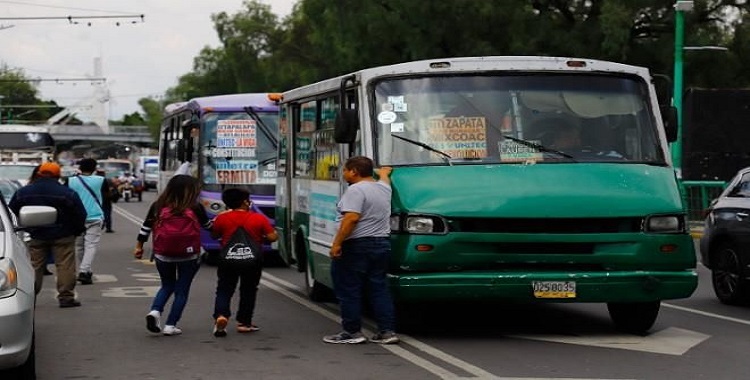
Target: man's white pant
{"points": [[87, 243]]}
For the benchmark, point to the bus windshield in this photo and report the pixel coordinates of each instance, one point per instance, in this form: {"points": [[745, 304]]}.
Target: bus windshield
{"points": [[237, 150], [501, 118]]}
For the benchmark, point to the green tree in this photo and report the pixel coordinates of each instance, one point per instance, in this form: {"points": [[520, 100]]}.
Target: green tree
{"points": [[19, 90]]}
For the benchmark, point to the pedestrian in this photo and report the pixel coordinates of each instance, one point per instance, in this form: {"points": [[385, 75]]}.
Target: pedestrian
{"points": [[46, 190], [360, 253], [110, 195], [239, 215], [50, 259], [91, 188], [175, 219]]}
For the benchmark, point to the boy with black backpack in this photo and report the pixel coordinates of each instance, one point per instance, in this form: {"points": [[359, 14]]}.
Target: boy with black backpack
{"points": [[242, 233]]}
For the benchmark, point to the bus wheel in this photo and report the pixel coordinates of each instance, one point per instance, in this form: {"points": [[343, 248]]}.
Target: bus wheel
{"points": [[210, 257], [316, 291], [634, 317]]}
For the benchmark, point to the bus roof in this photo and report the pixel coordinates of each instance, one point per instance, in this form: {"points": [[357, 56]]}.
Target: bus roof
{"points": [[473, 64], [227, 103], [23, 128]]}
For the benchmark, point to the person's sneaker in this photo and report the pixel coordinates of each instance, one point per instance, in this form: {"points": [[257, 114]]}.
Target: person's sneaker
{"points": [[153, 322], [385, 337], [243, 328], [220, 326], [171, 330], [47, 272], [70, 303], [86, 278], [345, 337]]}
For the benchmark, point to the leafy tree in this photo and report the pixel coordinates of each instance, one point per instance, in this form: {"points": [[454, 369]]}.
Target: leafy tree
{"points": [[17, 89]]}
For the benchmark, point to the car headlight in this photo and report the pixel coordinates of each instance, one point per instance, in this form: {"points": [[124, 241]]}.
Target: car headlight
{"points": [[665, 224], [418, 224], [8, 278]]}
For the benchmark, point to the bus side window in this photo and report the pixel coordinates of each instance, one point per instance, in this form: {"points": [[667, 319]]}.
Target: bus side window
{"points": [[325, 148], [306, 124]]}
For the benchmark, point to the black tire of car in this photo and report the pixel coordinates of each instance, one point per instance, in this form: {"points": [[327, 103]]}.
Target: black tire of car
{"points": [[726, 276], [27, 370], [634, 317]]}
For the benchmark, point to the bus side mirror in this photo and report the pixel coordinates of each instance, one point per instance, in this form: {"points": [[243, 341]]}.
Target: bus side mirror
{"points": [[669, 117], [347, 121], [346, 126]]}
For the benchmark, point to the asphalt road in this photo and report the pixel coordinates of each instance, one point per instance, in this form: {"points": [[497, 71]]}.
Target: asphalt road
{"points": [[106, 338]]}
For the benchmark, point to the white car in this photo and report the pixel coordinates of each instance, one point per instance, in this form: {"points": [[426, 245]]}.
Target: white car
{"points": [[17, 298], [19, 171]]}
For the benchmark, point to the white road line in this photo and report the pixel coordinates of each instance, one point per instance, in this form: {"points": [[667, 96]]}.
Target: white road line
{"points": [[286, 288], [435, 369], [283, 287], [706, 314]]}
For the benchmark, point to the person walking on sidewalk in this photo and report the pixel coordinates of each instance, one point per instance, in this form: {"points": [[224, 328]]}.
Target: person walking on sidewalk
{"points": [[175, 219], [46, 190], [91, 188], [360, 253], [229, 274]]}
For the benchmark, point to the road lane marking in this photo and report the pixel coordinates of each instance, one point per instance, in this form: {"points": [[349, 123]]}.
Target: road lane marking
{"points": [[670, 341], [131, 292], [286, 289], [274, 283], [706, 314]]}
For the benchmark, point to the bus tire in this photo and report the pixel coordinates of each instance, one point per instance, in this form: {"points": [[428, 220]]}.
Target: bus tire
{"points": [[211, 257], [634, 317], [316, 291]]}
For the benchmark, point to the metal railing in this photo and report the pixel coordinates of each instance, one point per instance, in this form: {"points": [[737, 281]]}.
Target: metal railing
{"points": [[697, 196]]}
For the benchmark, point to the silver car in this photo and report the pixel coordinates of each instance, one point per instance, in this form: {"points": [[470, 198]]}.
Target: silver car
{"points": [[17, 360]]}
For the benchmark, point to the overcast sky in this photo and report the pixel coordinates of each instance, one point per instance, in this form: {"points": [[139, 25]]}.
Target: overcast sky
{"points": [[138, 60]]}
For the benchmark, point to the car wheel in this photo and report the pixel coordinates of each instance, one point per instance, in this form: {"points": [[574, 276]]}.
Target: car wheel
{"points": [[634, 317], [726, 276]]}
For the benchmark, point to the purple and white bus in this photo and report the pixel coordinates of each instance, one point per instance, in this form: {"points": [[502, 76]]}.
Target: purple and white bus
{"points": [[225, 141]]}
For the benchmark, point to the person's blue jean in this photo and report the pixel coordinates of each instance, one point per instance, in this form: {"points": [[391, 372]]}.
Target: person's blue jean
{"points": [[363, 266], [176, 277], [228, 276]]}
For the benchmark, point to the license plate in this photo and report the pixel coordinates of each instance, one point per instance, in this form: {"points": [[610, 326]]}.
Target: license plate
{"points": [[554, 289]]}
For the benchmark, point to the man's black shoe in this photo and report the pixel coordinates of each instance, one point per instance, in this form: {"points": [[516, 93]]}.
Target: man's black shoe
{"points": [[70, 303], [110, 231], [85, 278]]}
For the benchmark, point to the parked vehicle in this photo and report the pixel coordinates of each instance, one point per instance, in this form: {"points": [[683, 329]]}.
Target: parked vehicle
{"points": [[8, 187], [17, 298], [487, 204], [726, 237]]}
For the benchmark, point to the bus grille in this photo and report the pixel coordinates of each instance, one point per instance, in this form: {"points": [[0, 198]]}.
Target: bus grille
{"points": [[546, 226]]}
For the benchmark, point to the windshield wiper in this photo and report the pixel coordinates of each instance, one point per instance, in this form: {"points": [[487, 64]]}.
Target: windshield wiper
{"points": [[540, 147], [442, 154], [263, 127]]}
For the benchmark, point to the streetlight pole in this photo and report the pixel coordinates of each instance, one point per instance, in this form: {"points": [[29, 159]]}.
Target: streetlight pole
{"points": [[679, 40]]}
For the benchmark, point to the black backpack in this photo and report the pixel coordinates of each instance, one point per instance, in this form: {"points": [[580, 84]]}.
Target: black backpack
{"points": [[241, 251]]}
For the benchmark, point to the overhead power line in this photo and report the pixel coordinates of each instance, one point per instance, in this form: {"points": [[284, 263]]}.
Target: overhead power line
{"points": [[72, 19], [55, 80]]}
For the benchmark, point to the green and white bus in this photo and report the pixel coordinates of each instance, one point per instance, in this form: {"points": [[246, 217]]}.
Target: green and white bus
{"points": [[486, 204]]}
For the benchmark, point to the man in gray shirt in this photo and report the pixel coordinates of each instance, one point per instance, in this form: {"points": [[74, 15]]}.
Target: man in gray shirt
{"points": [[360, 253]]}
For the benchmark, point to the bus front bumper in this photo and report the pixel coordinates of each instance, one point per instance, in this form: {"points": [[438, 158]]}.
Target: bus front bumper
{"points": [[621, 286]]}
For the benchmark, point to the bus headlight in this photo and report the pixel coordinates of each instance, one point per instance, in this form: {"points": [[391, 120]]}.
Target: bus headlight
{"points": [[665, 224], [418, 224]]}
